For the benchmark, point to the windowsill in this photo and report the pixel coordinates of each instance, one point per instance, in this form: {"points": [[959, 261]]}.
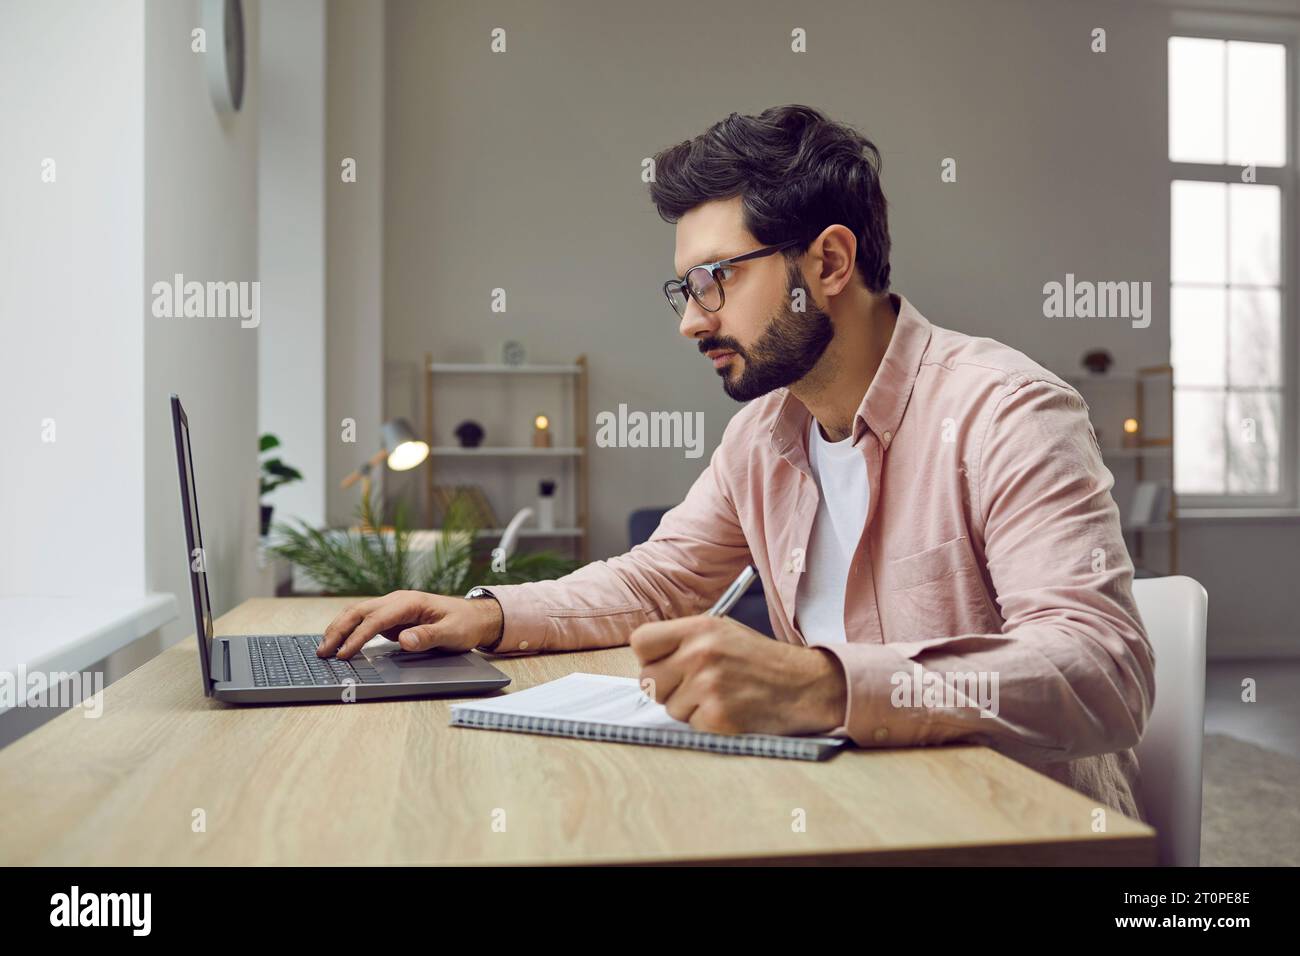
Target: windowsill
{"points": [[58, 634], [1238, 515]]}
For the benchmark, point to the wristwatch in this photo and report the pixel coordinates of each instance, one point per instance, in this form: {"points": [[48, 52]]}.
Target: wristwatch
{"points": [[481, 592]]}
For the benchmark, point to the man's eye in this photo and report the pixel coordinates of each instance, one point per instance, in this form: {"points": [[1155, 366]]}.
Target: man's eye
{"points": [[726, 272]]}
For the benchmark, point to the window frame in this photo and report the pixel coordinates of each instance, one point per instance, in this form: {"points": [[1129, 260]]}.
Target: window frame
{"points": [[1228, 27]]}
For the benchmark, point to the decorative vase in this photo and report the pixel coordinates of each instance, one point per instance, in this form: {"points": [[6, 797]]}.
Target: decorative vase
{"points": [[469, 434], [1097, 362], [513, 353], [546, 506]]}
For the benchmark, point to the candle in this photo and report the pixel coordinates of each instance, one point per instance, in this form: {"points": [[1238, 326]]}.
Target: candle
{"points": [[1131, 438], [541, 432]]}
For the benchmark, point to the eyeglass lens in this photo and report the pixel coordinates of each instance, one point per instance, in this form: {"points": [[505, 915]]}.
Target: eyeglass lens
{"points": [[706, 289]]}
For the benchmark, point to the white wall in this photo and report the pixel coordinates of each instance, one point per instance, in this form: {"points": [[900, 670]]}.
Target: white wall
{"points": [[200, 176], [291, 243], [321, 245], [150, 182], [71, 300], [521, 170]]}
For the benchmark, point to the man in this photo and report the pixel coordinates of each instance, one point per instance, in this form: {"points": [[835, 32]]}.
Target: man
{"points": [[928, 511]]}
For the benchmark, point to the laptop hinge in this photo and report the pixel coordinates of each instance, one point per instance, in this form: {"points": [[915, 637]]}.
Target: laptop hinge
{"points": [[220, 664]]}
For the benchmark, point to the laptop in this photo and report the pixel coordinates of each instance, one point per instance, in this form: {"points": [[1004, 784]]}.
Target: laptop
{"points": [[284, 668]]}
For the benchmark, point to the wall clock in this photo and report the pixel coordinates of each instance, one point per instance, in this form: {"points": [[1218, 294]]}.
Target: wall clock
{"points": [[223, 23]]}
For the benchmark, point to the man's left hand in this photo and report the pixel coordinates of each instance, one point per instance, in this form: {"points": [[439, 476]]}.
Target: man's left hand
{"points": [[718, 675]]}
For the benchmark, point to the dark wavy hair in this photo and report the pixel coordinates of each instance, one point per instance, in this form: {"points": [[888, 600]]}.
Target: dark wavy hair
{"points": [[797, 172]]}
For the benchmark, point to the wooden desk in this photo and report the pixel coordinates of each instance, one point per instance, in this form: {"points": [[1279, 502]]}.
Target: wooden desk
{"points": [[376, 783]]}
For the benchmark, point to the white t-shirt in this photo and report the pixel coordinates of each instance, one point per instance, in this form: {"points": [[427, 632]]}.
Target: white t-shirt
{"points": [[841, 473]]}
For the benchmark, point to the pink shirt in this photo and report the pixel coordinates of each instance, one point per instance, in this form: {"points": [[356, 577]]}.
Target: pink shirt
{"points": [[992, 547]]}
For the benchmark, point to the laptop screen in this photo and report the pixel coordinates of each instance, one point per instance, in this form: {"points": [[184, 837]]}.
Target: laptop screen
{"points": [[196, 557]]}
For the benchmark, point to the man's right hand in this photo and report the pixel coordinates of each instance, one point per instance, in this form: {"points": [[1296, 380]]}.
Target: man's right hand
{"points": [[416, 620]]}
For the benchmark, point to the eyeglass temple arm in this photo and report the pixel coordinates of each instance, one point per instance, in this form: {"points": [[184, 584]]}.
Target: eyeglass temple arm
{"points": [[758, 253], [681, 283]]}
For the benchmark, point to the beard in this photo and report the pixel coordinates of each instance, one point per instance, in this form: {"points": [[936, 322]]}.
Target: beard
{"points": [[789, 348]]}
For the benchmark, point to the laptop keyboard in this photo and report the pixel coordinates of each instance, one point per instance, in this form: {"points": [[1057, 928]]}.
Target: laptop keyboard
{"points": [[290, 661]]}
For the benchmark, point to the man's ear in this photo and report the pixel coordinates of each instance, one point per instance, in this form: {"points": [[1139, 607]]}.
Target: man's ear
{"points": [[835, 255]]}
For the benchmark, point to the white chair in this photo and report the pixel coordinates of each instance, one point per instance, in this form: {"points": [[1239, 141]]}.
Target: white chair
{"points": [[1169, 753], [510, 537]]}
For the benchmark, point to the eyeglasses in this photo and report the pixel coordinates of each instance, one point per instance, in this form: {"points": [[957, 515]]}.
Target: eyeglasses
{"points": [[703, 283]]}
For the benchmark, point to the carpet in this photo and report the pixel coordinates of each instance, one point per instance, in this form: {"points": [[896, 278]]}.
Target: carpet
{"points": [[1250, 810]]}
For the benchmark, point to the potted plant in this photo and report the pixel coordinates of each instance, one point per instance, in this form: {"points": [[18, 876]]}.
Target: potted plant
{"points": [[274, 474], [366, 561]]}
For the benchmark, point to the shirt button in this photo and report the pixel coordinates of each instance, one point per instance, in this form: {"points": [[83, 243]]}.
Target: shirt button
{"points": [[880, 734], [888, 437], [523, 645]]}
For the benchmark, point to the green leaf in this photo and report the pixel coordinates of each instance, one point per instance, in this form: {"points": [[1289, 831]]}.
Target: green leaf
{"points": [[370, 562], [448, 566], [279, 469]]}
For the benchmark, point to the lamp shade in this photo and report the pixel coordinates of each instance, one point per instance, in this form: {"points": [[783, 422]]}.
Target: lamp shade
{"points": [[405, 451]]}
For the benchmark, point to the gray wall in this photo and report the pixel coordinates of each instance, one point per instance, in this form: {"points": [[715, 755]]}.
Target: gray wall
{"points": [[200, 176], [321, 246], [521, 170], [354, 337]]}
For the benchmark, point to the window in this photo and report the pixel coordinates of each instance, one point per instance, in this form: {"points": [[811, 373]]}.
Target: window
{"points": [[1232, 277]]}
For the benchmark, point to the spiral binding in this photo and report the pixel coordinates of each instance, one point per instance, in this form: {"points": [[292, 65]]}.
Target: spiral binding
{"points": [[747, 745]]}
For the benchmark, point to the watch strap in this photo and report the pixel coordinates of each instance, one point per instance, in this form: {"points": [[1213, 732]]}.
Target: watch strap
{"points": [[482, 592]]}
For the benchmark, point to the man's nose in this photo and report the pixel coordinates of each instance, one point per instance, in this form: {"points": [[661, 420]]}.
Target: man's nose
{"points": [[697, 322]]}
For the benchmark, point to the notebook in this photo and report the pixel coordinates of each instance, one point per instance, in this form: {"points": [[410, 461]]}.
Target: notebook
{"points": [[596, 707]]}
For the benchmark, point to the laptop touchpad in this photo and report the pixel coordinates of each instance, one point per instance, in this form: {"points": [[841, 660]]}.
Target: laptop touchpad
{"points": [[426, 659], [396, 664]]}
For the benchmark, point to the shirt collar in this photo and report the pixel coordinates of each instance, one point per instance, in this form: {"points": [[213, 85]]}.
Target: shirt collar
{"points": [[887, 397]]}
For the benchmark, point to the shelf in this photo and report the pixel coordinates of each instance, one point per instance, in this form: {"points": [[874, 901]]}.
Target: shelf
{"points": [[505, 451], [572, 459], [1147, 448], [1151, 451], [1156, 527], [1129, 380], [1124, 379], [532, 533], [70, 634], [470, 368], [1240, 514]]}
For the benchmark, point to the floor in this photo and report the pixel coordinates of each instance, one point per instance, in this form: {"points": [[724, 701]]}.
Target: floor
{"points": [[1273, 721], [1250, 814]]}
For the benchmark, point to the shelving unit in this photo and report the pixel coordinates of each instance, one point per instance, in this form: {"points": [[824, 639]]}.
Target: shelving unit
{"points": [[503, 452], [1145, 452], [533, 533], [576, 453]]}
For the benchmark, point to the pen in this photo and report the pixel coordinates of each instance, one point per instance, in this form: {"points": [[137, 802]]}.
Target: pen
{"points": [[734, 593], [724, 604]]}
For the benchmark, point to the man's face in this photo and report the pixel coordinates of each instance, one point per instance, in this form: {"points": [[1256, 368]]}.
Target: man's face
{"points": [[756, 341]]}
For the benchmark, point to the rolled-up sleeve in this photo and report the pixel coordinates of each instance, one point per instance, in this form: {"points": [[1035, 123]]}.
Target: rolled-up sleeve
{"points": [[1074, 670]]}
